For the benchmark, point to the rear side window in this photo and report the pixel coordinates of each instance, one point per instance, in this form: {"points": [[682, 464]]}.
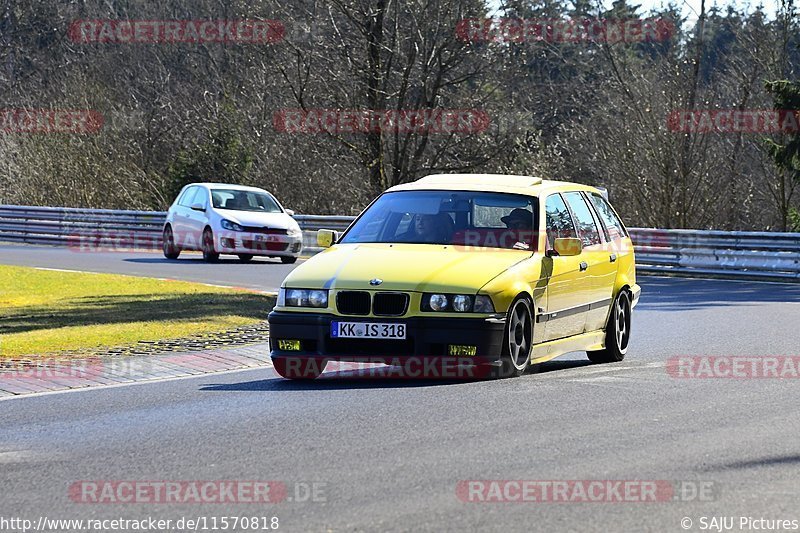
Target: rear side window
{"points": [[559, 221], [588, 232], [612, 222], [187, 198]]}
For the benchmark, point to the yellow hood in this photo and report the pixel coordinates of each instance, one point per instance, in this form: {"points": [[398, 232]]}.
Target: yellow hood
{"points": [[403, 267]]}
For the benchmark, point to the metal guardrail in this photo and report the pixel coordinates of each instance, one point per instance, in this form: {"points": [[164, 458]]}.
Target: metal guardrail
{"points": [[742, 254], [754, 255]]}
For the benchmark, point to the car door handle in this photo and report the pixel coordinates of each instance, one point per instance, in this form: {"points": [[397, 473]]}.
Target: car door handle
{"points": [[613, 258], [584, 266]]}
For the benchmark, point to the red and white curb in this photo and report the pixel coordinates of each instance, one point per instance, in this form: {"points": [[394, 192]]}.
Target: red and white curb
{"points": [[51, 376]]}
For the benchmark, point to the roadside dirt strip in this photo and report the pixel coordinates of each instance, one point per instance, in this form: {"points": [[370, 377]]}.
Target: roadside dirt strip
{"points": [[22, 377]]}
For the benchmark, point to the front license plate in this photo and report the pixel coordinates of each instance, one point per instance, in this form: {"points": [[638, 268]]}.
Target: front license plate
{"points": [[367, 330]]}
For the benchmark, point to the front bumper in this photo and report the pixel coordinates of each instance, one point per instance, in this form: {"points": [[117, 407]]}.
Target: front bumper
{"points": [[259, 244], [426, 337]]}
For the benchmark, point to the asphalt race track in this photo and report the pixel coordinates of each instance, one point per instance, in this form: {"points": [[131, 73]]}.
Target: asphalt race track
{"points": [[261, 274], [389, 454]]}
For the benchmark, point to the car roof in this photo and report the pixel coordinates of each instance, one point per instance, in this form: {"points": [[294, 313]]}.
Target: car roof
{"points": [[508, 183], [227, 186]]}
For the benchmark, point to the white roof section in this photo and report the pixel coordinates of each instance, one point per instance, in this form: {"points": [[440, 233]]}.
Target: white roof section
{"points": [[503, 180], [230, 186]]}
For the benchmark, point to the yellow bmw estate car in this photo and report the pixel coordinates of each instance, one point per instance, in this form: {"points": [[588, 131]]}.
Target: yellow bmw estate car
{"points": [[501, 272]]}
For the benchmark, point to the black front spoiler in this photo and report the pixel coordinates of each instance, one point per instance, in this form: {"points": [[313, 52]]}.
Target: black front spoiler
{"points": [[426, 338]]}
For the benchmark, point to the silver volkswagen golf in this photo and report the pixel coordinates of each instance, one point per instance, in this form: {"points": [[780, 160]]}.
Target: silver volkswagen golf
{"points": [[217, 218]]}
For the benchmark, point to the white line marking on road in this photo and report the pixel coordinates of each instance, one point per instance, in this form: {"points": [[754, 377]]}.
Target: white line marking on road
{"points": [[605, 370], [15, 456], [128, 384], [66, 270]]}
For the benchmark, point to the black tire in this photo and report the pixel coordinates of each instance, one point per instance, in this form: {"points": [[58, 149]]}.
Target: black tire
{"points": [[245, 258], [517, 340], [299, 368], [168, 244], [618, 332], [209, 252], [288, 260]]}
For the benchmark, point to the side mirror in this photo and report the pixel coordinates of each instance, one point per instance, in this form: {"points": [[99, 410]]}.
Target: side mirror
{"points": [[289, 212], [326, 238], [567, 246], [198, 207]]}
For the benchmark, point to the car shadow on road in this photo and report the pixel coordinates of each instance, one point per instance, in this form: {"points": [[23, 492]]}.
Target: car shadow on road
{"points": [[383, 377], [763, 462], [133, 308]]}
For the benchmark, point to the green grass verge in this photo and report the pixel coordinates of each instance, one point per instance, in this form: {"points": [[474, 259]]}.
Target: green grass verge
{"points": [[44, 312]]}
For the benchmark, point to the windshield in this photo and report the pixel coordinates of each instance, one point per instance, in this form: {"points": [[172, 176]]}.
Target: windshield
{"points": [[481, 219], [244, 201]]}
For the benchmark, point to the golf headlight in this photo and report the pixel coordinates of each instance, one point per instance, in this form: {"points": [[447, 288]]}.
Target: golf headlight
{"points": [[295, 232], [304, 297], [231, 226]]}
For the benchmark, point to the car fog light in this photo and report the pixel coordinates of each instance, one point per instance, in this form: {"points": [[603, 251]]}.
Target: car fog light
{"points": [[462, 351], [289, 345]]}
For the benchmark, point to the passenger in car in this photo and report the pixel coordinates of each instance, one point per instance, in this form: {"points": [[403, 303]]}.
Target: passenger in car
{"points": [[520, 222], [429, 229]]}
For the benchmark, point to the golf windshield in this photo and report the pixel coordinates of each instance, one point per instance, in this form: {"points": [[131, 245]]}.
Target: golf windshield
{"points": [[236, 200], [481, 219]]}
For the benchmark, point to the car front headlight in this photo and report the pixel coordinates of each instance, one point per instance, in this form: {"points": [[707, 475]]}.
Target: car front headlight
{"points": [[460, 303], [231, 226], [304, 298], [318, 298], [295, 232], [436, 302]]}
